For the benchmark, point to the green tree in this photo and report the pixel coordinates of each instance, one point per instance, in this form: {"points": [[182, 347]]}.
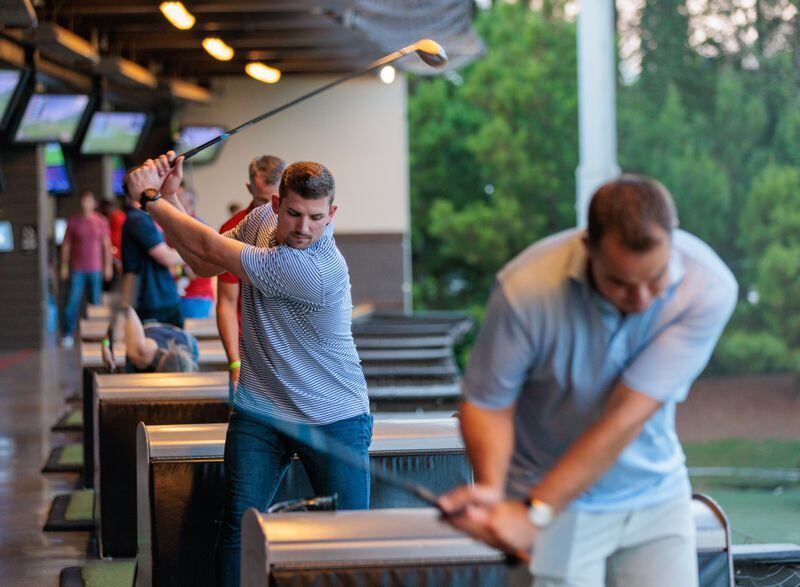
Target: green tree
{"points": [[493, 154]]}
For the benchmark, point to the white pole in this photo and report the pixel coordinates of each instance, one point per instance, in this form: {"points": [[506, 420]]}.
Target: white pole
{"points": [[597, 121]]}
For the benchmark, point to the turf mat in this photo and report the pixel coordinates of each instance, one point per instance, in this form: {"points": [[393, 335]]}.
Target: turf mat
{"points": [[71, 512], [109, 574], [69, 422], [65, 458]]}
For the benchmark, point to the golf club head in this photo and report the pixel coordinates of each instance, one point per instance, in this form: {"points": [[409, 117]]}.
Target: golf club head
{"points": [[431, 52]]}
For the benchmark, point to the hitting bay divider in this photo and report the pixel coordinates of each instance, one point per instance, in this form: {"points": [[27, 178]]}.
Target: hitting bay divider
{"points": [[121, 401], [413, 547], [180, 486], [212, 357]]}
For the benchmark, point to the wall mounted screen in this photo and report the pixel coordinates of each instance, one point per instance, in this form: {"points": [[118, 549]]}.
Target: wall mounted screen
{"points": [[192, 136], [51, 117], [113, 133], [57, 177], [9, 80], [6, 237], [118, 176]]}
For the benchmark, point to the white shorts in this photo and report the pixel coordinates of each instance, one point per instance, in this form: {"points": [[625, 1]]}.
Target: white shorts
{"points": [[651, 547]]}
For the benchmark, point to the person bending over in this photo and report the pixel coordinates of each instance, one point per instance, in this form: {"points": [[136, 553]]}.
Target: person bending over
{"points": [[590, 340], [154, 347]]}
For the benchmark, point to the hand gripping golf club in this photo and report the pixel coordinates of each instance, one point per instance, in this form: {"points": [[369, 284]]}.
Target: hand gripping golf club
{"points": [[429, 51]]}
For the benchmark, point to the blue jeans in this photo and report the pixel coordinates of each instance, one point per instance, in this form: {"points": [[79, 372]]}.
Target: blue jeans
{"points": [[257, 455], [93, 282]]}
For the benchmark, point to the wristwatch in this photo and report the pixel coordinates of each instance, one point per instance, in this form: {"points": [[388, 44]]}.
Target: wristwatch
{"points": [[540, 514], [148, 196]]}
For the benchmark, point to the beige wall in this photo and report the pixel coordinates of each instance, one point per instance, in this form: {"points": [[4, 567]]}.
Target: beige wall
{"points": [[358, 130]]}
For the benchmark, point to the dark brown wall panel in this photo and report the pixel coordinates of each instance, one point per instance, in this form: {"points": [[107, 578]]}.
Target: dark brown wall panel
{"points": [[376, 263], [22, 273]]}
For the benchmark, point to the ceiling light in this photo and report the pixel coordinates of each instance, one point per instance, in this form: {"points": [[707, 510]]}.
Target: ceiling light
{"points": [[218, 49], [263, 73], [176, 13], [387, 74]]}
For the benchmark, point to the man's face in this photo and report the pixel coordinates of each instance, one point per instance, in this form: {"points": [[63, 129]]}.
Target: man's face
{"points": [[301, 221], [88, 204], [261, 191], [628, 279]]}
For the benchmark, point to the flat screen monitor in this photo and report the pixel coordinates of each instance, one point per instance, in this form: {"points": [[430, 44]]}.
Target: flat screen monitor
{"points": [[9, 80], [118, 176], [6, 237], [192, 136], [59, 230], [113, 133], [51, 117], [57, 177]]}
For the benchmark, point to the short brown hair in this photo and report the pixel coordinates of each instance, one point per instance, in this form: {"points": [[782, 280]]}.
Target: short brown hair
{"points": [[308, 180], [631, 206], [272, 167]]}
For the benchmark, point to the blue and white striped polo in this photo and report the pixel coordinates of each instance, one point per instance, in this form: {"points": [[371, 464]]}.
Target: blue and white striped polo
{"points": [[299, 360]]}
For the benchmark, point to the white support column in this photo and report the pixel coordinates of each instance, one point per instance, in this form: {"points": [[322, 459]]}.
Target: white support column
{"points": [[597, 120]]}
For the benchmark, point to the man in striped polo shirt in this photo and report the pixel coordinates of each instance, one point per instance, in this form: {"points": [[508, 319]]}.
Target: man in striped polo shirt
{"points": [[301, 382]]}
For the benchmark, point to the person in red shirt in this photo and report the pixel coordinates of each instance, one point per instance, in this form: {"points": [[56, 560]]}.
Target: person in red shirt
{"points": [[116, 218], [265, 176], [85, 260], [198, 295]]}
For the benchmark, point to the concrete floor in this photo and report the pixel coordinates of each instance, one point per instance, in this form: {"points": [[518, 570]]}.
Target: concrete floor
{"points": [[33, 391]]}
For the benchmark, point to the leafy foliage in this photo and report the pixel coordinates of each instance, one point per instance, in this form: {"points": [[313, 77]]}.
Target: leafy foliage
{"points": [[492, 158], [714, 114]]}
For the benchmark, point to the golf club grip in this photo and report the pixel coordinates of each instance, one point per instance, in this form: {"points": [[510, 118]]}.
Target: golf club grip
{"points": [[195, 150]]}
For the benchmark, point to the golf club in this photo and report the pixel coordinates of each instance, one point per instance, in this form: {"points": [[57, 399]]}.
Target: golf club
{"points": [[323, 442], [428, 50]]}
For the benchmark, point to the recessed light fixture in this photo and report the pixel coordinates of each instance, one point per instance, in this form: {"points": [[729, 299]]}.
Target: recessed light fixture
{"points": [[176, 13], [263, 73], [218, 49], [387, 74]]}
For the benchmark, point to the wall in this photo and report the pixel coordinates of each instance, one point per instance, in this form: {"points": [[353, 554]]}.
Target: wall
{"points": [[358, 130], [24, 273]]}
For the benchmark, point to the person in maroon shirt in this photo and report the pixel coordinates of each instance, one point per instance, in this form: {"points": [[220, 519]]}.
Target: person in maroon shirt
{"points": [[265, 176], [85, 260], [198, 295]]}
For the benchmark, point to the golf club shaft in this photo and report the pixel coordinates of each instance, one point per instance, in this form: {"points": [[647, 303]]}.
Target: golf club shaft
{"points": [[338, 450], [224, 136]]}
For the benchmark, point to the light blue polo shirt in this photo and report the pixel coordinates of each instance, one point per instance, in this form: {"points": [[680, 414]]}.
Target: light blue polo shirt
{"points": [[554, 345]]}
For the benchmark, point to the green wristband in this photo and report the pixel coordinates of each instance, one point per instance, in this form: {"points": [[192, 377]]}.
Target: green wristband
{"points": [[234, 365]]}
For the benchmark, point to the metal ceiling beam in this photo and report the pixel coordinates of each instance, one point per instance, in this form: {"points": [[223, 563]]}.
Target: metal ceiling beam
{"points": [[104, 8], [17, 14], [12, 54], [51, 38], [126, 72], [275, 40], [308, 53], [128, 26]]}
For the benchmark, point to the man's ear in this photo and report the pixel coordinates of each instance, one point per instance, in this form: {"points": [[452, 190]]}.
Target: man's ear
{"points": [[331, 212], [249, 188], [276, 203]]}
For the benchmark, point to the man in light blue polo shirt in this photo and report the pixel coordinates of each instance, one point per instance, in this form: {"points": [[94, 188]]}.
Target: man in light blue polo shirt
{"points": [[590, 340], [301, 388]]}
